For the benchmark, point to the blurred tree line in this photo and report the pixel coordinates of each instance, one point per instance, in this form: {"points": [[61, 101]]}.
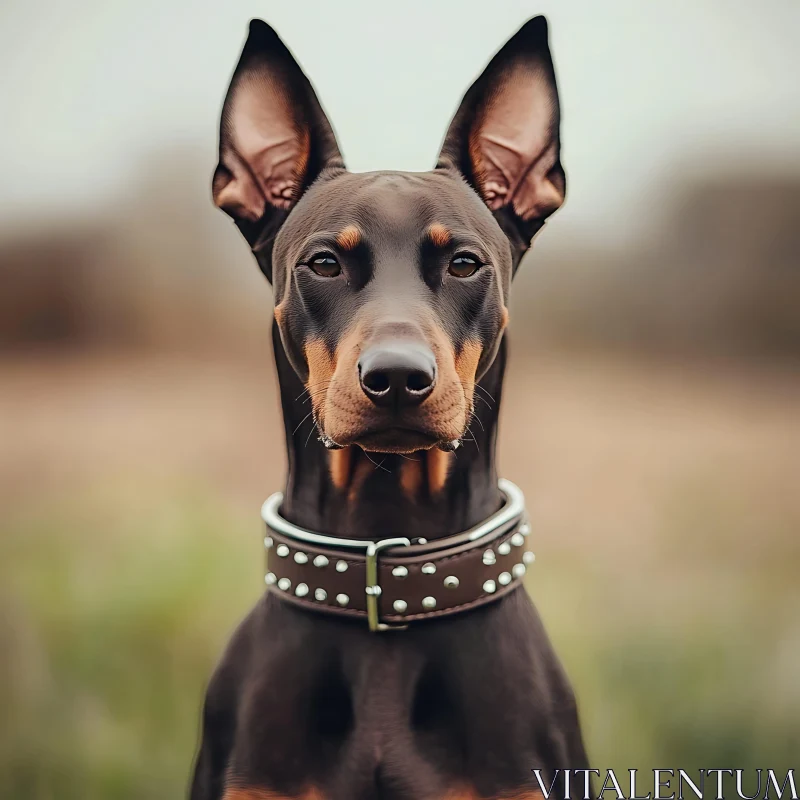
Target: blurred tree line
{"points": [[718, 274]]}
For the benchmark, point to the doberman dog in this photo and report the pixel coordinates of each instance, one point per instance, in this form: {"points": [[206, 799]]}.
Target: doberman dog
{"points": [[391, 292]]}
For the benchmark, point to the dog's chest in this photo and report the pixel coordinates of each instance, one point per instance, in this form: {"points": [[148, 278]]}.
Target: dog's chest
{"points": [[330, 708]]}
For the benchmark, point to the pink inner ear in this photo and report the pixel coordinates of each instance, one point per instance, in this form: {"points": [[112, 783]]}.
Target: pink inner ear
{"points": [[266, 151], [513, 148]]}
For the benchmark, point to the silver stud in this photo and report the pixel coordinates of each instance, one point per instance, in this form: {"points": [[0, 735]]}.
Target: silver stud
{"points": [[320, 594], [341, 566], [268, 542], [421, 540], [320, 561], [400, 572], [518, 570], [489, 558], [301, 590], [282, 550], [373, 591], [451, 582], [504, 578], [429, 602], [284, 584], [342, 599], [489, 587], [518, 540], [400, 606], [528, 557], [301, 558], [504, 549], [524, 529], [428, 568], [270, 578]]}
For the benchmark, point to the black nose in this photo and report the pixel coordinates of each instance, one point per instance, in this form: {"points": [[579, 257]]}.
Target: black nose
{"points": [[397, 373]]}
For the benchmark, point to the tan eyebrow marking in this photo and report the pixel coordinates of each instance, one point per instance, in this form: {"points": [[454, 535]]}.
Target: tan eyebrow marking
{"points": [[349, 238], [439, 235]]}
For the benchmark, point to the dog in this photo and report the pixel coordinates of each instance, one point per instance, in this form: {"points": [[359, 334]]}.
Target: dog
{"points": [[395, 654]]}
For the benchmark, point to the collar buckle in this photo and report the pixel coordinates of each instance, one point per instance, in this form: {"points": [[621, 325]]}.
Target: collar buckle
{"points": [[373, 586]]}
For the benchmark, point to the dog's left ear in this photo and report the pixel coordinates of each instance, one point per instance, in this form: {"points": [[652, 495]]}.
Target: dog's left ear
{"points": [[504, 138], [274, 139]]}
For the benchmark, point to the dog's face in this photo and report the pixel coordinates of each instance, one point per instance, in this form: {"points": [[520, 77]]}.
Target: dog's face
{"points": [[391, 293], [390, 287]]}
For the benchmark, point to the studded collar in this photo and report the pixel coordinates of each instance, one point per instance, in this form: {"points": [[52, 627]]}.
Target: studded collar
{"points": [[396, 581]]}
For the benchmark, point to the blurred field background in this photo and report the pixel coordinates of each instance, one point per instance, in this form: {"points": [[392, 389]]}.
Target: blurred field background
{"points": [[652, 412]]}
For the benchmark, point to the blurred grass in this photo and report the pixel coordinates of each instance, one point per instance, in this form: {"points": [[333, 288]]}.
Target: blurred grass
{"points": [[115, 610], [668, 555]]}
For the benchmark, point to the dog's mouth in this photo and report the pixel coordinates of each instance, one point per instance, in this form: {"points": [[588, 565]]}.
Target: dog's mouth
{"points": [[396, 440], [393, 439]]}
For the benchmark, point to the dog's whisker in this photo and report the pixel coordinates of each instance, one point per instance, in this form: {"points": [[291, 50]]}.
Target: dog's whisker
{"points": [[316, 386], [301, 422], [486, 392], [316, 394], [377, 465], [310, 433]]}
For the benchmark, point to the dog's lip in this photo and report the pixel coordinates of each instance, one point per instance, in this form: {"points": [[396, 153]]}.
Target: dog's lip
{"points": [[396, 438]]}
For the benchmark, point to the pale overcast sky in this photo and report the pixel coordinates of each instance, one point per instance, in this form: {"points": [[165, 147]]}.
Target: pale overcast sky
{"points": [[90, 88]]}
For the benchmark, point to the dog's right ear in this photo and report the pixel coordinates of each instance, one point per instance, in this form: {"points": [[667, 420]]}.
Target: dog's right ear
{"points": [[505, 139], [274, 139]]}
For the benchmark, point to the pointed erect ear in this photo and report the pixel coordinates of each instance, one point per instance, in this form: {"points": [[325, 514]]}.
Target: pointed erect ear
{"points": [[274, 137], [504, 138]]}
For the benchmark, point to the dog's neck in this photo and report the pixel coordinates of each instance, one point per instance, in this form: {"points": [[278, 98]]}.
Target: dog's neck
{"points": [[374, 495]]}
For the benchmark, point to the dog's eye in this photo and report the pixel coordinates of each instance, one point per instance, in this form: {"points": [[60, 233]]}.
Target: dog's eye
{"points": [[462, 266], [325, 265]]}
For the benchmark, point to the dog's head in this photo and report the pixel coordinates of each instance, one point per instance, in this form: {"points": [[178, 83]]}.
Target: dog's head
{"points": [[391, 287]]}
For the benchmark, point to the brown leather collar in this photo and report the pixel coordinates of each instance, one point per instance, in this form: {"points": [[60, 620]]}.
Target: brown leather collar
{"points": [[396, 581]]}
